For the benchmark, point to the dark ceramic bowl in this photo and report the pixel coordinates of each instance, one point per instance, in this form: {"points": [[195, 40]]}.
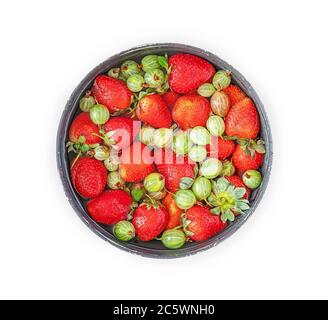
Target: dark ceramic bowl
{"points": [[155, 249]]}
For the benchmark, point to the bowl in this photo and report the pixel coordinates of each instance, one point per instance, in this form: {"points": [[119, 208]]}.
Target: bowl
{"points": [[154, 249]]}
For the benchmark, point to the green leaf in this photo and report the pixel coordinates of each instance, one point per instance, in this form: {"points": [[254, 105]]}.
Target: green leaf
{"points": [[163, 62], [242, 205], [239, 192], [137, 194], [216, 211], [228, 216], [82, 139], [222, 184]]}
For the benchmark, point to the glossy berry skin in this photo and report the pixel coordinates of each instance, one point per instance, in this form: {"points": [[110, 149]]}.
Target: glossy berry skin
{"points": [[153, 110], [243, 120], [173, 168], [173, 210], [203, 224], [235, 94], [170, 98], [136, 163], [125, 129], [244, 161], [89, 177], [189, 72], [191, 111], [83, 126], [110, 207], [112, 93], [220, 148], [149, 222], [238, 183]]}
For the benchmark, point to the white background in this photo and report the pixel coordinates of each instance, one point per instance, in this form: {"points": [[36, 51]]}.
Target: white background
{"points": [[46, 49]]}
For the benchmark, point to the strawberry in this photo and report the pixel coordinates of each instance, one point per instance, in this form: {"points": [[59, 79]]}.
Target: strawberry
{"points": [[189, 72], [83, 127], [238, 183], [191, 111], [89, 177], [220, 148], [173, 168], [243, 120], [149, 221], [110, 207], [243, 160], [200, 224], [136, 163], [122, 131], [112, 93], [153, 110], [170, 98], [173, 210], [235, 94]]}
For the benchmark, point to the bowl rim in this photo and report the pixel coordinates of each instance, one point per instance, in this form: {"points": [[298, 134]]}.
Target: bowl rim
{"points": [[63, 168]]}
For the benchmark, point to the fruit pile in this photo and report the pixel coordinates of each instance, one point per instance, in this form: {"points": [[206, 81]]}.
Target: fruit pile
{"points": [[166, 149]]}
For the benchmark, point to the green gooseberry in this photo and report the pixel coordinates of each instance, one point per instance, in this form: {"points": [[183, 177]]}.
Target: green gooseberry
{"points": [[222, 79], [160, 195], [101, 153], [228, 169], [200, 135], [154, 78], [252, 179], [124, 231], [181, 142], [197, 153], [146, 135], [150, 62], [87, 102], [130, 68], [211, 168], [206, 90], [163, 137], [99, 114], [215, 126], [186, 183], [111, 164], [185, 199], [135, 82], [114, 181], [202, 188], [173, 239], [154, 182], [114, 73]]}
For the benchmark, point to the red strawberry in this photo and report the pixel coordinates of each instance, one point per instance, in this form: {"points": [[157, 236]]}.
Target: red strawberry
{"points": [[170, 98], [201, 224], [189, 72], [238, 183], [112, 93], [125, 131], [244, 161], [173, 210], [111, 207], [191, 111], [89, 177], [153, 110], [173, 168], [243, 120], [136, 163], [220, 148], [82, 126], [235, 94], [149, 222]]}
